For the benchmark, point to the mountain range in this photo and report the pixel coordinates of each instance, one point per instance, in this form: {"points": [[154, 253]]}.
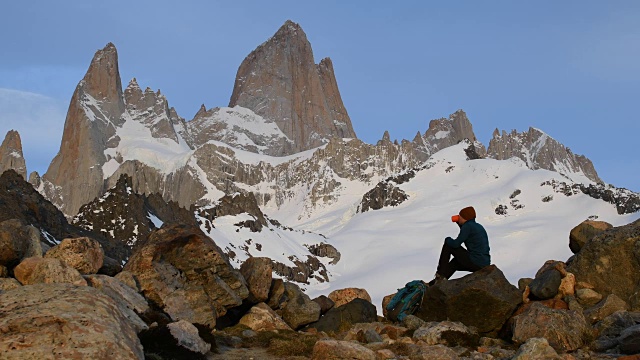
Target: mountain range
{"points": [[326, 207]]}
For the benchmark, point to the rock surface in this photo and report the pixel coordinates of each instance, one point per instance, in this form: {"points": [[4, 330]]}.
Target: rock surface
{"points": [[183, 272], [258, 273], [565, 330], [262, 318], [36, 270], [18, 241], [343, 317], [298, 310], [11, 156], [610, 263], [484, 300], [539, 151], [280, 81], [345, 296], [336, 350], [64, 321], [82, 254], [584, 232]]}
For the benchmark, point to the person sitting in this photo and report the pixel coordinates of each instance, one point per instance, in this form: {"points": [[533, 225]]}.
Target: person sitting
{"points": [[472, 258]]}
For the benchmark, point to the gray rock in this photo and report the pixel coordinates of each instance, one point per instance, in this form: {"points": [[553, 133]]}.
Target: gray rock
{"points": [[545, 286], [344, 317], [610, 263], [523, 283], [335, 350], [66, 320], [18, 241], [484, 300], [564, 330], [588, 297], [536, 348], [446, 333], [176, 340], [325, 303], [257, 271], [630, 340], [604, 308], [584, 232], [299, 309], [412, 322]]}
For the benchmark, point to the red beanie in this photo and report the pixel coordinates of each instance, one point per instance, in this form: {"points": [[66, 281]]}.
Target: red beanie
{"points": [[468, 213]]}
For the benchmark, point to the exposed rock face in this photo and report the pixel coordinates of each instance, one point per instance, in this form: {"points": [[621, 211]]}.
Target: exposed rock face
{"points": [[625, 201], [19, 200], [539, 151], [75, 175], [566, 330], [126, 218], [37, 270], [484, 299], [187, 275], [11, 156], [344, 296], [609, 262], [262, 318], [177, 340], [280, 81], [443, 133], [335, 350], [446, 333], [584, 232], [83, 254], [18, 241], [65, 321], [240, 128], [152, 109], [343, 317], [298, 310], [258, 274]]}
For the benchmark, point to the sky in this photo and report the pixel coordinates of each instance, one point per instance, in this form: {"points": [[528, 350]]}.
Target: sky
{"points": [[570, 68]]}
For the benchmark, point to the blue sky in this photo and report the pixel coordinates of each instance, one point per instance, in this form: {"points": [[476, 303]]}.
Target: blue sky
{"points": [[570, 68]]}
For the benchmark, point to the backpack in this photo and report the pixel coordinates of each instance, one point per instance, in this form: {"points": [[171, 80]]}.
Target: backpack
{"points": [[406, 301]]}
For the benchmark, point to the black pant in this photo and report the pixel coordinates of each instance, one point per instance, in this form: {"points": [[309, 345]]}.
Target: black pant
{"points": [[460, 261]]}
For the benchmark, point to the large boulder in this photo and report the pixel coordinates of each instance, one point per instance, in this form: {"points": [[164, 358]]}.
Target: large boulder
{"points": [[83, 254], [604, 308], [37, 270], [630, 340], [18, 241], [258, 273], [584, 232], [344, 296], [64, 321], [546, 283], [484, 299], [611, 263], [187, 275], [262, 318], [565, 330], [299, 310], [343, 317]]}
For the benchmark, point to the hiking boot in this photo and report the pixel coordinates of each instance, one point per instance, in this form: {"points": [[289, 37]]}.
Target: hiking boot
{"points": [[437, 279]]}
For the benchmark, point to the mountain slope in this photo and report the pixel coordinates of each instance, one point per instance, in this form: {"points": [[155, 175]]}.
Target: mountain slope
{"points": [[383, 249]]}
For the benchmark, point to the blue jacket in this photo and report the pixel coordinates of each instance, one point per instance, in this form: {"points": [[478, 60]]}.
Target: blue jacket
{"points": [[475, 238]]}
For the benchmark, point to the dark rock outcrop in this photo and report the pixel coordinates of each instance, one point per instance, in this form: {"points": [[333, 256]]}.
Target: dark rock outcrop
{"points": [[611, 263], [280, 82], [484, 300], [584, 232], [383, 195], [343, 317], [186, 274], [126, 218], [258, 274]]}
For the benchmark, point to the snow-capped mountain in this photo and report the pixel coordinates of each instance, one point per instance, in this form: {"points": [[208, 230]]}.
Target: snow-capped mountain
{"points": [[369, 204]]}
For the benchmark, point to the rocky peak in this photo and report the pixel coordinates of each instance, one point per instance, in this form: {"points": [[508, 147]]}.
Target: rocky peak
{"points": [[540, 151], [280, 82], [152, 109], [97, 106], [443, 133], [126, 218], [11, 156]]}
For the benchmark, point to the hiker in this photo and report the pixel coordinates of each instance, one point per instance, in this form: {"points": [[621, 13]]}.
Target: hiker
{"points": [[474, 257]]}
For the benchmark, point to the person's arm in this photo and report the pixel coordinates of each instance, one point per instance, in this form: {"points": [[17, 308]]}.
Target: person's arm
{"points": [[465, 231]]}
